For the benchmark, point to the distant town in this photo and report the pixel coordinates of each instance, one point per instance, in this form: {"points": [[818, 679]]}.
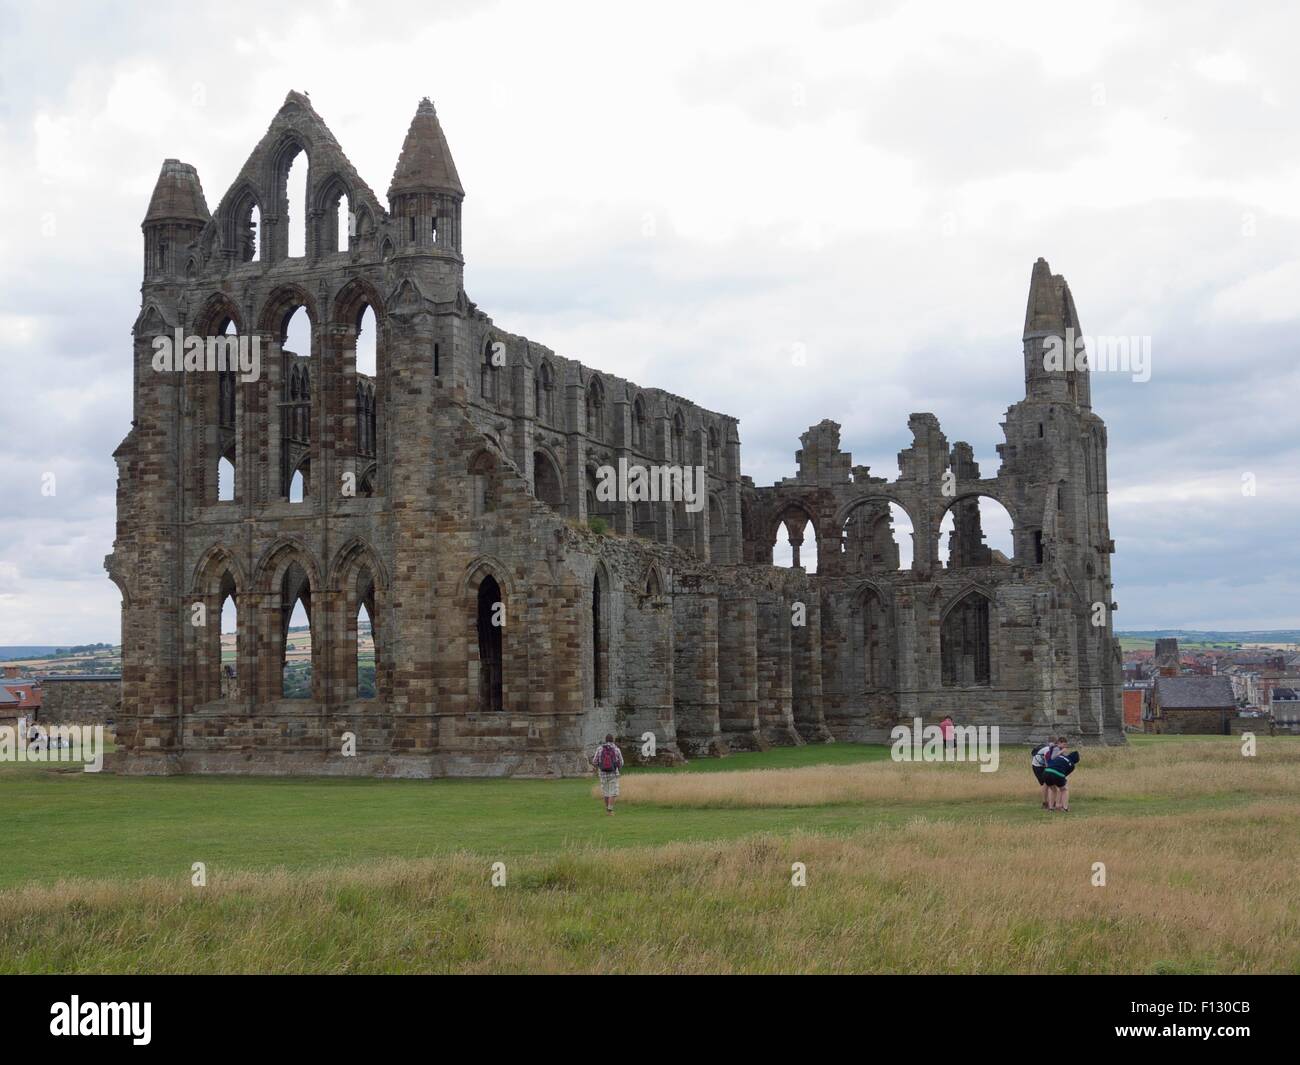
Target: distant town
{"points": [[1212, 683]]}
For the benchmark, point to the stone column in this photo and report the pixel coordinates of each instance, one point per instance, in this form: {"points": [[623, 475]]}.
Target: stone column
{"points": [[695, 674], [738, 672], [775, 707], [806, 669]]}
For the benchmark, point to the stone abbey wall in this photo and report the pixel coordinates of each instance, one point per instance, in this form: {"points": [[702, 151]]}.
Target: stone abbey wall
{"points": [[454, 499]]}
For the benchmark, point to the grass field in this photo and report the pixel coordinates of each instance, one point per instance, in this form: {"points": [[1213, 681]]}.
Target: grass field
{"points": [[910, 868]]}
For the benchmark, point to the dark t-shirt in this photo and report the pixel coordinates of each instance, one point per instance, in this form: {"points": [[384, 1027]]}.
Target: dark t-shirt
{"points": [[1064, 763]]}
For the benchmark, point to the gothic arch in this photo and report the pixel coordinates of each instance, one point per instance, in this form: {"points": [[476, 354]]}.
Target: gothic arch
{"points": [[882, 592], [355, 553], [353, 299], [329, 189], [544, 390], [873, 650], [287, 557], [846, 511], [969, 588], [548, 481], [217, 576], [641, 426], [280, 306], [233, 217], [214, 312], [975, 493], [966, 497], [967, 639], [677, 437], [653, 582], [790, 509], [493, 650], [595, 408], [483, 566], [599, 645], [358, 582], [277, 558], [150, 322], [210, 567]]}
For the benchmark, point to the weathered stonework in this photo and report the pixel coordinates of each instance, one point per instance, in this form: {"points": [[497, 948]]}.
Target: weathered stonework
{"points": [[86, 700], [461, 480]]}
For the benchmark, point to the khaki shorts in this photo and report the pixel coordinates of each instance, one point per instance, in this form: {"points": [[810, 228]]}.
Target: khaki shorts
{"points": [[608, 785]]}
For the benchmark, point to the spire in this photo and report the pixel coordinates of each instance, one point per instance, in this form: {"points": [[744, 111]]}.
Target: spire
{"points": [[425, 164], [178, 196], [1051, 307], [297, 99]]}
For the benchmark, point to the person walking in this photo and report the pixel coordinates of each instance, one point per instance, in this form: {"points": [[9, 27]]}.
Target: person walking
{"points": [[608, 761]]}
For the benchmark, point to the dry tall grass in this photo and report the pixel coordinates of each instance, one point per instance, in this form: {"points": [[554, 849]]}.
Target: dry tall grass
{"points": [[1185, 893], [1207, 889], [1191, 768]]}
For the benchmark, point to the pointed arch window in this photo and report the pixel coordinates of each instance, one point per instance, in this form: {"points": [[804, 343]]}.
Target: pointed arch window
{"points": [[596, 410], [488, 376], [489, 615], [964, 643], [638, 423]]}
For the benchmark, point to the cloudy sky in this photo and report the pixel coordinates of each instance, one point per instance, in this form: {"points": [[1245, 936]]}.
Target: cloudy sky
{"points": [[689, 193]]}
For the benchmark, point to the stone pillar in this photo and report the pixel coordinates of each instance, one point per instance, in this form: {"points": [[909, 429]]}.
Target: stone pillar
{"points": [[738, 673], [775, 709], [917, 641], [695, 674], [806, 670], [648, 677], [411, 487]]}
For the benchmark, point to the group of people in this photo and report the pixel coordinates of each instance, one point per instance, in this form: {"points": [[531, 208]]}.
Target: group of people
{"points": [[1053, 762]]}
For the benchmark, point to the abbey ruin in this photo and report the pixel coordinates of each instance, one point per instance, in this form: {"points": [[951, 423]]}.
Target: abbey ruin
{"points": [[452, 499]]}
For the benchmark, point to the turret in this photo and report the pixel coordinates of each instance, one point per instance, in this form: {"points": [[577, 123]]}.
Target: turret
{"points": [[425, 194], [1055, 369], [177, 214]]}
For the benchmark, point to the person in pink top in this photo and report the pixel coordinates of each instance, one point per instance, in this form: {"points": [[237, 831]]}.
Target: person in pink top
{"points": [[949, 733]]}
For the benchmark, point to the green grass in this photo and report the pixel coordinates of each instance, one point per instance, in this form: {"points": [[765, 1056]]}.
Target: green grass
{"points": [[85, 825], [106, 826], [328, 875]]}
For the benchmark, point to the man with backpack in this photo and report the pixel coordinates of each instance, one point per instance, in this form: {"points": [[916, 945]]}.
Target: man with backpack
{"points": [[608, 761], [1043, 754]]}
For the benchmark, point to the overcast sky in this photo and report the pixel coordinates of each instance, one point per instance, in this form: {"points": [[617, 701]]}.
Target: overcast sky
{"points": [[686, 194]]}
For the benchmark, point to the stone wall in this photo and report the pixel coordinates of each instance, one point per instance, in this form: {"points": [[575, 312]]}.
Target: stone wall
{"points": [[80, 700], [1193, 722]]}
